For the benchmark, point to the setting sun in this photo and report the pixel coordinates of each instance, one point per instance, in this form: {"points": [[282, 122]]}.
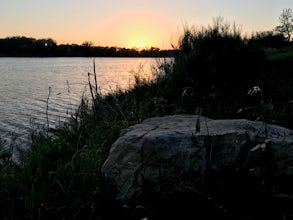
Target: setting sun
{"points": [[136, 28], [140, 42]]}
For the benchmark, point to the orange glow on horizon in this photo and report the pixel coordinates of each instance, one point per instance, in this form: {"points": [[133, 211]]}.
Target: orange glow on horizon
{"points": [[136, 28], [140, 42], [126, 24]]}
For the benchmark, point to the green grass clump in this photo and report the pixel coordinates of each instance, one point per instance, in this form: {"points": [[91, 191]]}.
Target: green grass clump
{"points": [[213, 70]]}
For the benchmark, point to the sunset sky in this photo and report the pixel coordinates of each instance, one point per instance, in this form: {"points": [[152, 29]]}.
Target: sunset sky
{"points": [[130, 23]]}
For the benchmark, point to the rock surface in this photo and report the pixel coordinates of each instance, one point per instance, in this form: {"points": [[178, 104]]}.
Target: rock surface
{"points": [[163, 154]]}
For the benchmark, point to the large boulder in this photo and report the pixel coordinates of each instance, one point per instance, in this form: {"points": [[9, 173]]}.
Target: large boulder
{"points": [[163, 154]]}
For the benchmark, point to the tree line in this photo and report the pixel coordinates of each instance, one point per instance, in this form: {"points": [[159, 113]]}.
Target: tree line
{"points": [[31, 47], [20, 46]]}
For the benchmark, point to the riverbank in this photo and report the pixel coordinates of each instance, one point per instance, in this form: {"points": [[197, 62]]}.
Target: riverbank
{"points": [[216, 73]]}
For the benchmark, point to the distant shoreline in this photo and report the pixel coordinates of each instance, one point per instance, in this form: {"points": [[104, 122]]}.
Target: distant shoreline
{"points": [[30, 47], [167, 55]]}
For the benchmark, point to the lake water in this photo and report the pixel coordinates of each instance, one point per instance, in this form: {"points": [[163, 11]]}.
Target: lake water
{"points": [[29, 85]]}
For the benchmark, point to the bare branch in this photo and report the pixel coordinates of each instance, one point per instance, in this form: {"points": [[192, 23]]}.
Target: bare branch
{"points": [[286, 24]]}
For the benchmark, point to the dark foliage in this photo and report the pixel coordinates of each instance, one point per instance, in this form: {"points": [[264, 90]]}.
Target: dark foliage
{"points": [[268, 39], [30, 47]]}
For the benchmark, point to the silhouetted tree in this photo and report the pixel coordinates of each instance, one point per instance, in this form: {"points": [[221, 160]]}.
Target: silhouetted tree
{"points": [[286, 23], [87, 44]]}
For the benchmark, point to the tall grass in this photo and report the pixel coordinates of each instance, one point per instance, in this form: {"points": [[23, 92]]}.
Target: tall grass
{"points": [[214, 68]]}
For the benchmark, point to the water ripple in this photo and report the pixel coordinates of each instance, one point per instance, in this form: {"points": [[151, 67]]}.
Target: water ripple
{"points": [[25, 83]]}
